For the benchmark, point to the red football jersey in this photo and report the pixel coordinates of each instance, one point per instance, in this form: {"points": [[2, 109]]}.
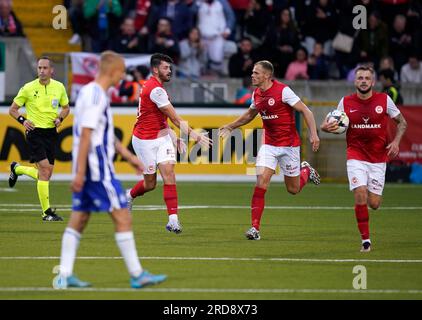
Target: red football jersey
{"points": [[367, 133], [151, 120], [278, 117]]}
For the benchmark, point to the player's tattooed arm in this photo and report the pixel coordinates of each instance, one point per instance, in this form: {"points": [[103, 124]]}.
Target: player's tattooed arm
{"points": [[393, 147], [129, 156], [245, 118]]}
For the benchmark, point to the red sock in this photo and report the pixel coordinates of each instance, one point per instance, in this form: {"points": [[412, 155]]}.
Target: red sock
{"points": [[257, 206], [137, 190], [170, 198], [304, 176], [362, 217]]}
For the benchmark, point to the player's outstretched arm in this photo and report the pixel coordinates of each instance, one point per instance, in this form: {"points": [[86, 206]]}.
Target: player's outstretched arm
{"points": [[310, 122], [245, 118], [177, 142], [200, 138], [393, 147], [84, 144], [129, 156]]}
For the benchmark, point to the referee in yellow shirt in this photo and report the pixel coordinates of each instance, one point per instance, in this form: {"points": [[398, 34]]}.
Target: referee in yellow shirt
{"points": [[42, 99]]}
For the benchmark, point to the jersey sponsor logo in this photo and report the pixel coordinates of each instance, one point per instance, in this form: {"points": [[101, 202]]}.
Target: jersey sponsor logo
{"points": [[379, 109], [271, 101], [270, 117], [366, 126]]}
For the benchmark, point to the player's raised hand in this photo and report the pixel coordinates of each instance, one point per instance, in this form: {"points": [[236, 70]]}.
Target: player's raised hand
{"points": [[393, 149], [315, 143], [224, 132], [203, 140]]}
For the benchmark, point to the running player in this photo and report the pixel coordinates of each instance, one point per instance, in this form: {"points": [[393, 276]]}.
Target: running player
{"points": [[368, 147], [276, 103]]}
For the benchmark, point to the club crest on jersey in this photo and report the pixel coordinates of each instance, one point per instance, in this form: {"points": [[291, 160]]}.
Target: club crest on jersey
{"points": [[379, 109], [354, 180], [271, 101]]}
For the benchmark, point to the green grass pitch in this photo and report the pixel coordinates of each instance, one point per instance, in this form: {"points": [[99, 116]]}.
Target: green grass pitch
{"points": [[309, 247]]}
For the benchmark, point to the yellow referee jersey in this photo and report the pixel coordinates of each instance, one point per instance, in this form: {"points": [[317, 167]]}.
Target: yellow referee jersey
{"points": [[42, 101]]}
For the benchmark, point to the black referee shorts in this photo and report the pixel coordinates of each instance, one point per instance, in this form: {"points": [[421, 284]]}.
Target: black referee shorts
{"points": [[42, 144]]}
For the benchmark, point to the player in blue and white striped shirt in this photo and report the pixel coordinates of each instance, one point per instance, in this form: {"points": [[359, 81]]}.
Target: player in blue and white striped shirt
{"points": [[94, 185]]}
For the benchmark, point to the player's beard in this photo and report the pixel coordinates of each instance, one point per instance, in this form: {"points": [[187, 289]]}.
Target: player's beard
{"points": [[361, 91], [164, 77]]}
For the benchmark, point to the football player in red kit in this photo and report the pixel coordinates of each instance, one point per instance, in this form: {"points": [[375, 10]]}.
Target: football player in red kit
{"points": [[276, 103], [368, 147], [154, 142]]}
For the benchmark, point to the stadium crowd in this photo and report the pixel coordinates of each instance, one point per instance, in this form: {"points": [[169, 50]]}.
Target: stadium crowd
{"points": [[225, 37]]}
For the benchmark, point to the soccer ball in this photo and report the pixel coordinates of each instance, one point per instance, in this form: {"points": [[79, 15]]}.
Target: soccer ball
{"points": [[341, 118]]}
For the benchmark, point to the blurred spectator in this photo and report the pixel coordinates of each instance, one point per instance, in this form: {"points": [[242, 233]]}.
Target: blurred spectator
{"points": [[282, 42], [257, 20], [193, 56], [386, 77], [239, 8], [76, 16], [244, 94], [414, 19], [322, 25], [400, 41], [164, 41], [103, 18], [373, 42], [214, 29], [318, 63], [10, 26], [131, 86], [411, 72], [241, 63], [387, 63], [128, 40], [298, 69], [139, 10], [178, 13]]}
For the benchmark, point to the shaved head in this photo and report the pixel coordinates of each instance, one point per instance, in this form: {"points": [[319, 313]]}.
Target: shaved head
{"points": [[110, 60]]}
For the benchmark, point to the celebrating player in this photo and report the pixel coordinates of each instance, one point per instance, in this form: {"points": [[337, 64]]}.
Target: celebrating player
{"points": [[367, 145], [154, 142], [276, 103], [94, 186]]}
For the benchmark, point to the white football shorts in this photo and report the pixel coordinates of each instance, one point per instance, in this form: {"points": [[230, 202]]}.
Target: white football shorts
{"points": [[288, 158], [363, 173], [154, 152]]}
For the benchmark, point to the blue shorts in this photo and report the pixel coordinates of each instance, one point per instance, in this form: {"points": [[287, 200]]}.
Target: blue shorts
{"points": [[99, 196]]}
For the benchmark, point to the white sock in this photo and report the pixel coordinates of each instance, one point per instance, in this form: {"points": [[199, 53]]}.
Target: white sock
{"points": [[126, 243], [70, 244], [366, 240], [173, 218], [128, 194]]}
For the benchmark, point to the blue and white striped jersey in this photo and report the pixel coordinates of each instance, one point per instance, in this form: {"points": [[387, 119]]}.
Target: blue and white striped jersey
{"points": [[92, 110]]}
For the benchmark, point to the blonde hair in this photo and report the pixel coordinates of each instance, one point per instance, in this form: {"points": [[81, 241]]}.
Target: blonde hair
{"points": [[266, 65], [109, 59]]}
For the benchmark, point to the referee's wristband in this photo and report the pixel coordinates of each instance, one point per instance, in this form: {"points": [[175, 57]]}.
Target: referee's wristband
{"points": [[21, 119]]}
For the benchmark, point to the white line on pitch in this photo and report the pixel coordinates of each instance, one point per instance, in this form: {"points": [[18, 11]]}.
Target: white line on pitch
{"points": [[232, 259], [210, 290]]}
